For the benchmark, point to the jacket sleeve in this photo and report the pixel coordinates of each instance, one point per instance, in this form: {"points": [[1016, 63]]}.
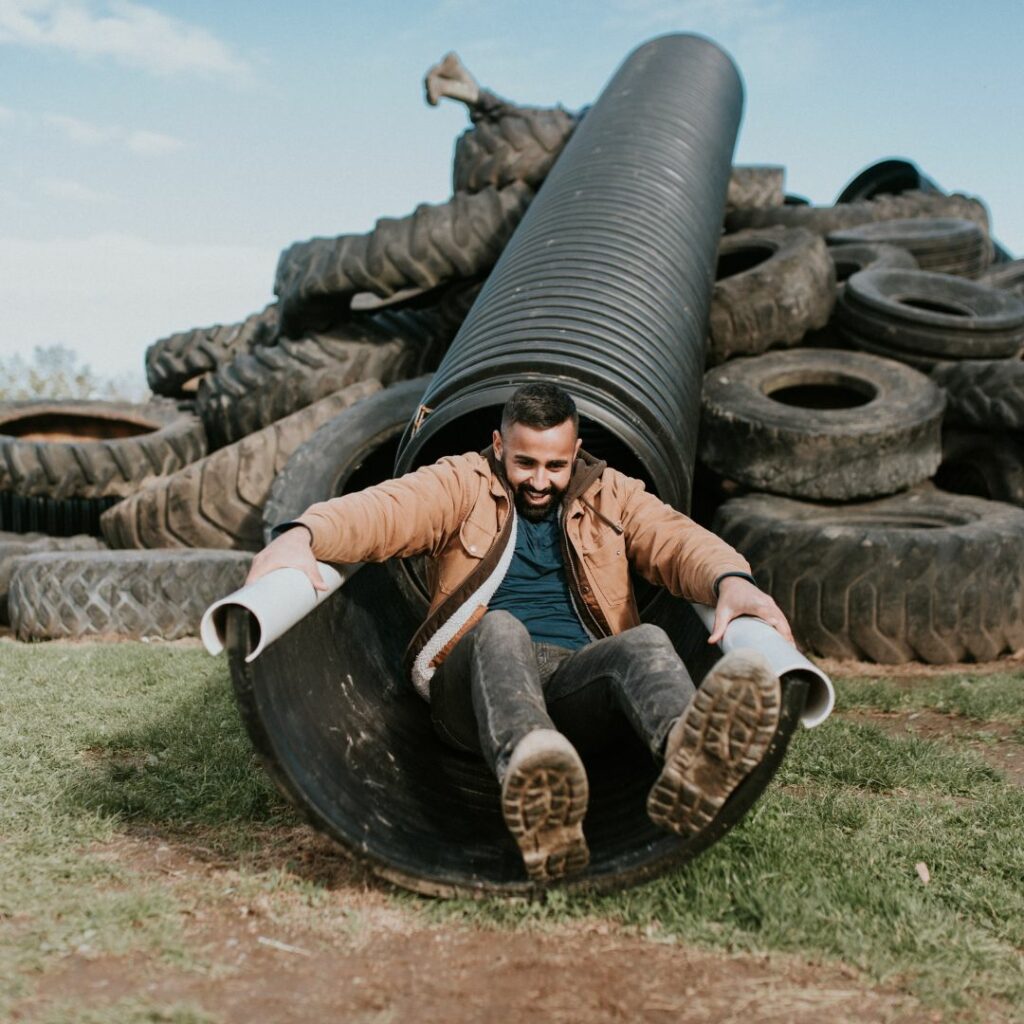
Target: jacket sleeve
{"points": [[409, 515], [669, 549]]}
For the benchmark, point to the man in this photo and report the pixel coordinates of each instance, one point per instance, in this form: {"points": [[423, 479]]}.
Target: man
{"points": [[533, 643]]}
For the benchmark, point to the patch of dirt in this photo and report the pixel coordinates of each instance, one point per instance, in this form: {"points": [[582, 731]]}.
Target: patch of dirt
{"points": [[996, 742], [918, 670], [364, 959]]}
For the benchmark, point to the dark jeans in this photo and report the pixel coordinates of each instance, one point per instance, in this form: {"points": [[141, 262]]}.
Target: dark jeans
{"points": [[497, 685]]}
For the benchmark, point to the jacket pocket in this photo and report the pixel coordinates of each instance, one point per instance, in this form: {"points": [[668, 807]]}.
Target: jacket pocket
{"points": [[607, 569], [462, 555]]}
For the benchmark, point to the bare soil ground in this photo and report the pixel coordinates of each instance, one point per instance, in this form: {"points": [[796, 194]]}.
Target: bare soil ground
{"points": [[260, 966]]}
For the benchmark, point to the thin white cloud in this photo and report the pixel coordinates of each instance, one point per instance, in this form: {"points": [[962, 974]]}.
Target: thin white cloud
{"points": [[68, 190], [153, 143], [80, 131], [110, 295], [6, 113], [129, 33]]}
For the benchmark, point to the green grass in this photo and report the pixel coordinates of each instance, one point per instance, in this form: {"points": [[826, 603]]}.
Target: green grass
{"points": [[97, 739], [989, 698]]}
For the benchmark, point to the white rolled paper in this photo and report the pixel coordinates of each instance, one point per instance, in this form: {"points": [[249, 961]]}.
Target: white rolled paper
{"points": [[783, 657], [275, 601]]}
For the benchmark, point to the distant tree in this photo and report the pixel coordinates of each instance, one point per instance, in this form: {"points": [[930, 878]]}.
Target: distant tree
{"points": [[54, 371]]}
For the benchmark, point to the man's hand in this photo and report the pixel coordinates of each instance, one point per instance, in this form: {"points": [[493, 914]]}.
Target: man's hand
{"points": [[737, 596], [293, 549]]}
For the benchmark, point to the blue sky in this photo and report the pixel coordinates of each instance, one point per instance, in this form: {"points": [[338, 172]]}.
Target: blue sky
{"points": [[156, 157]]}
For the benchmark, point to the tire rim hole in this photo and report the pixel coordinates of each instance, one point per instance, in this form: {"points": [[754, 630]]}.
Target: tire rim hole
{"points": [[932, 306], [845, 270], [61, 426], [891, 521], [824, 391], [738, 261]]}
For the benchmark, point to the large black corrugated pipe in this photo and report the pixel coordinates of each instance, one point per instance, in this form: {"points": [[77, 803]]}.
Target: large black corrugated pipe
{"points": [[893, 176], [606, 283]]}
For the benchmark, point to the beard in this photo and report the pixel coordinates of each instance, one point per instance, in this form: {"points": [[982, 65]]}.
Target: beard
{"points": [[536, 512]]}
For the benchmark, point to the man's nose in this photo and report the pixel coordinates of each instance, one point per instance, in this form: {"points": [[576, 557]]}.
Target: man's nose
{"points": [[539, 480]]}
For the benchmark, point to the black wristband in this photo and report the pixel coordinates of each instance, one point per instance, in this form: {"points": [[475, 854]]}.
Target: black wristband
{"points": [[725, 575], [290, 525]]}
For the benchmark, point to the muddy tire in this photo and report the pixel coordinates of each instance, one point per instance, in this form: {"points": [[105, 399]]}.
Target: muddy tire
{"points": [[772, 287], [755, 187], [1008, 277], [509, 144], [175, 363], [217, 502], [261, 387], [943, 245], [983, 464], [16, 545], [929, 316], [131, 594], [62, 462], [355, 449], [825, 219], [958, 594], [984, 393], [820, 424], [463, 238], [852, 259]]}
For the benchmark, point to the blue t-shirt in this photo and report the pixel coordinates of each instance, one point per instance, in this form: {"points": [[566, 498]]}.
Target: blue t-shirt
{"points": [[535, 589]]}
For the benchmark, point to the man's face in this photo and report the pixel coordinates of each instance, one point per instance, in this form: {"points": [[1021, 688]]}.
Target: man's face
{"points": [[538, 464]]}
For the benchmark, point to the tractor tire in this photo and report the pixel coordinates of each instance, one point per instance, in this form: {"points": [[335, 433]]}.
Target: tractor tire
{"points": [[851, 259], [983, 393], [174, 364], [131, 594], [825, 219], [317, 280], [217, 501], [943, 245], [772, 287], [820, 424], [920, 576], [1005, 276], [16, 545], [984, 464]]}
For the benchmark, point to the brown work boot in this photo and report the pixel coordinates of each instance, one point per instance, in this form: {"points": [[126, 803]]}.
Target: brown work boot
{"points": [[543, 798], [721, 736]]}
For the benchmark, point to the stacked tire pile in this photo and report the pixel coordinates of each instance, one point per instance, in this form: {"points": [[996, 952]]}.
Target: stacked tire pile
{"points": [[860, 424]]}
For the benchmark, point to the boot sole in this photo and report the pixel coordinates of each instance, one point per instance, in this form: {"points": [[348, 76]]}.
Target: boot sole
{"points": [[544, 799], [726, 731]]}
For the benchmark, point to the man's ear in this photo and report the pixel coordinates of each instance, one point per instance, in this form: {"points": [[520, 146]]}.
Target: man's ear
{"points": [[496, 442], [579, 445]]}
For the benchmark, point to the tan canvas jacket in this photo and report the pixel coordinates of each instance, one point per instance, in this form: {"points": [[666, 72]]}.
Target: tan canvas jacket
{"points": [[458, 512]]}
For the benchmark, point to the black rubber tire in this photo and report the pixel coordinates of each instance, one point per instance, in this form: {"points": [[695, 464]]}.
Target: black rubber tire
{"points": [[874, 429], [256, 389], [16, 545], [825, 219], [130, 594], [1005, 276], [217, 501], [772, 287], [924, 575], [317, 279], [985, 393], [945, 245], [355, 449], [756, 187], [62, 462], [174, 363], [509, 144], [851, 259], [931, 315], [984, 464]]}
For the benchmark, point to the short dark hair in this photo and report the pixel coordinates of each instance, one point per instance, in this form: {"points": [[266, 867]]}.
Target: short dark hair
{"points": [[540, 405]]}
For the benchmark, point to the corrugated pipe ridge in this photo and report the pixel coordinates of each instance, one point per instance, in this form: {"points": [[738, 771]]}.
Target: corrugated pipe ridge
{"points": [[606, 283]]}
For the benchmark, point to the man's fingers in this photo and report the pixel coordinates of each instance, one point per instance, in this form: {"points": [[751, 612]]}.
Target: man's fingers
{"points": [[723, 616], [316, 579]]}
